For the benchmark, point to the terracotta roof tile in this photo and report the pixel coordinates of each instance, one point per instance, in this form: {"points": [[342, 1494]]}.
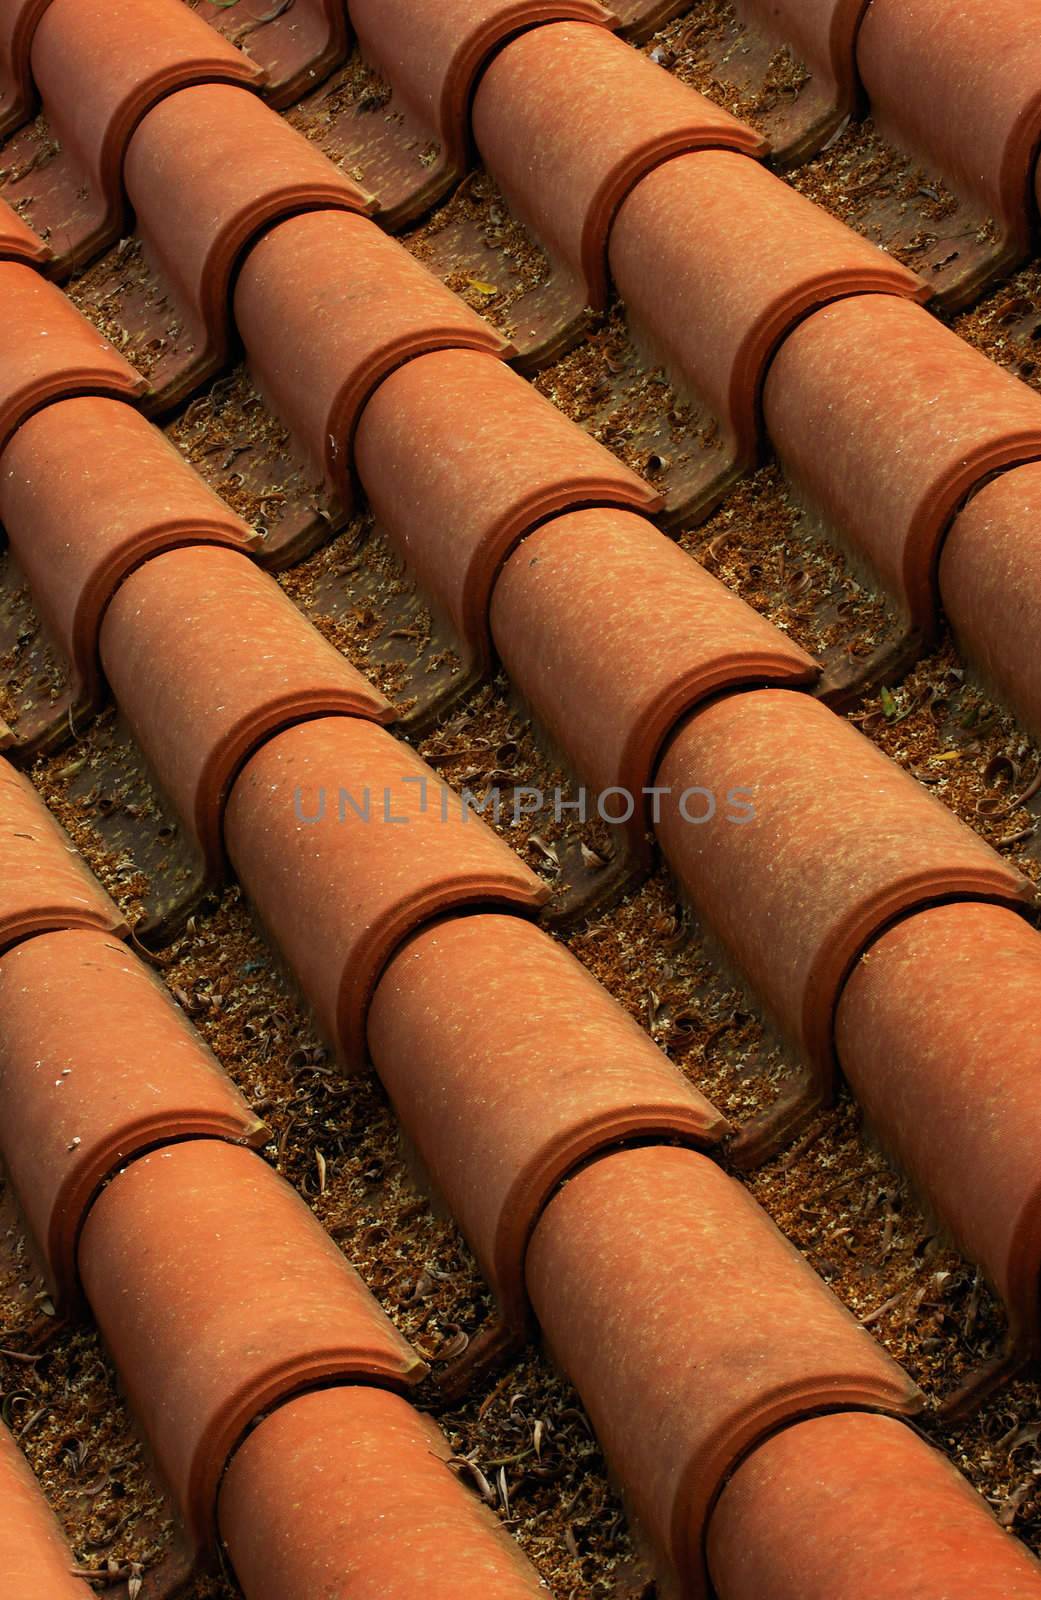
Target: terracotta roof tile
{"points": [[207, 171], [349, 305], [935, 1032], [989, 581], [208, 659], [346, 842], [604, 586], [96, 1065], [43, 882], [351, 1485], [842, 842], [48, 351], [18, 242], [460, 458], [694, 1330], [98, 67], [567, 165], [89, 490], [715, 316], [509, 1066], [886, 421], [943, 87], [431, 53], [18, 23], [840, 1507], [219, 1295]]}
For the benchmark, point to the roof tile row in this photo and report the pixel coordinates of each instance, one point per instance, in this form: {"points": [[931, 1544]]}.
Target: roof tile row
{"points": [[88, 491], [692, 1330], [714, 316], [133, 1177], [43, 882], [99, 66], [566, 165], [48, 351], [208, 659], [207, 170], [844, 842], [509, 1066], [431, 53]]}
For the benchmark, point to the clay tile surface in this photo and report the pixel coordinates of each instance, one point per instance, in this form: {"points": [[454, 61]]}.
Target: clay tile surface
{"points": [[88, 490], [840, 1507], [884, 420], [327, 306], [937, 1033], [18, 242], [34, 1558], [691, 1329], [99, 65], [346, 842], [207, 170], [44, 884], [990, 586], [508, 1065], [566, 164], [295, 45], [431, 52], [765, 257], [459, 458], [219, 1294], [959, 87], [841, 842], [48, 351], [207, 658], [346, 1491], [18, 23], [96, 1065], [605, 587]]}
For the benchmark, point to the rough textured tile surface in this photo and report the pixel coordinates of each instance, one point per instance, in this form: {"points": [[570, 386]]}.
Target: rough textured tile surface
{"points": [[508, 1066], [347, 1492], [96, 1065], [692, 1329], [220, 1295]]}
